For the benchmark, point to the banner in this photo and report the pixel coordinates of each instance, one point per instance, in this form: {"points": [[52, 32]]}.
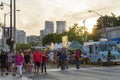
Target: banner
{"points": [[64, 41]]}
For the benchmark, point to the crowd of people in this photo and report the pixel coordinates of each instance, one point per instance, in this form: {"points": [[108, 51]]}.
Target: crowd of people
{"points": [[36, 60]]}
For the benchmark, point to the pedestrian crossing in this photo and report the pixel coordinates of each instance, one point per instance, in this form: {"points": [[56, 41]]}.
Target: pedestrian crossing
{"points": [[96, 73], [93, 73]]}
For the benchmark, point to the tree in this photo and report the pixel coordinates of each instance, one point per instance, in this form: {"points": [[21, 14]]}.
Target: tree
{"points": [[32, 43], [22, 46], [108, 21], [47, 39], [75, 32]]}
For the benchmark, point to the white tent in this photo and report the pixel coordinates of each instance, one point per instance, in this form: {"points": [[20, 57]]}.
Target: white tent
{"points": [[60, 46], [56, 45]]}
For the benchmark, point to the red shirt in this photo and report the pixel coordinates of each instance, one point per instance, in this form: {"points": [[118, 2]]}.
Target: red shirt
{"points": [[37, 56], [44, 58], [77, 55]]}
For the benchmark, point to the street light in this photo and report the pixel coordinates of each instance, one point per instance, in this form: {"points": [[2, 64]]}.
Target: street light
{"points": [[5, 26], [10, 19], [10, 38], [2, 5], [103, 33]]}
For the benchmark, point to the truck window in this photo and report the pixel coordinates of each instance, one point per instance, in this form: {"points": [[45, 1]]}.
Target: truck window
{"points": [[91, 49]]}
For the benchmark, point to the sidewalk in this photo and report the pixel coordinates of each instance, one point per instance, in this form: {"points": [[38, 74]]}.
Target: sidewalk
{"points": [[10, 77]]}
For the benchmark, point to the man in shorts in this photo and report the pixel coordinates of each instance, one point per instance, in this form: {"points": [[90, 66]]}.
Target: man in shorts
{"points": [[37, 56]]}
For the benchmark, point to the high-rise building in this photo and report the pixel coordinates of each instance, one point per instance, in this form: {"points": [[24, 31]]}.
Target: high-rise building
{"points": [[20, 36], [42, 33], [60, 26], [49, 27], [32, 38]]}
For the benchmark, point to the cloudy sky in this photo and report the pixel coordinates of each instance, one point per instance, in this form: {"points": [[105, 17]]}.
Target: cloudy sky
{"points": [[34, 13]]}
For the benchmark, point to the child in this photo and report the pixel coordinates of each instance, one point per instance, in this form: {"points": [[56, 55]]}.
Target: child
{"points": [[30, 66], [44, 58]]}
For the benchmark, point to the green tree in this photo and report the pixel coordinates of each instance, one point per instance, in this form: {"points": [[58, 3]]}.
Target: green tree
{"points": [[47, 39], [22, 46], [75, 32], [108, 21], [32, 43]]}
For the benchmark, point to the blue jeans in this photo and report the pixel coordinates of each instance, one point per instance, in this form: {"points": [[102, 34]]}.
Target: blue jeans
{"points": [[77, 64], [43, 66]]}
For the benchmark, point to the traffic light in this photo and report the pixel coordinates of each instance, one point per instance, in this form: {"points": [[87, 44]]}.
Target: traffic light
{"points": [[10, 43]]}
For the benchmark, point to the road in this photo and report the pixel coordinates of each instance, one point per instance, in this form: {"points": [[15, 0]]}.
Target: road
{"points": [[96, 73], [88, 73]]}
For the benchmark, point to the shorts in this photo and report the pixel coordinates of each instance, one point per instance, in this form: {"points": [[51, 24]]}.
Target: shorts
{"points": [[51, 59], [26, 62], [3, 65], [37, 64]]}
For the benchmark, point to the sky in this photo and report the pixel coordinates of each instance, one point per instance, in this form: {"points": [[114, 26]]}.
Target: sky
{"points": [[33, 13]]}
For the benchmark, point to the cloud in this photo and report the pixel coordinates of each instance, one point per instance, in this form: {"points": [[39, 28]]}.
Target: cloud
{"points": [[34, 12]]}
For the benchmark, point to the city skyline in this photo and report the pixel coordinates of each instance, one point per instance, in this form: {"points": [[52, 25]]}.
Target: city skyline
{"points": [[34, 13]]}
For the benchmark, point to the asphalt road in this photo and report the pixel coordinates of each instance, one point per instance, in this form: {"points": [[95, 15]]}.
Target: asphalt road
{"points": [[88, 73], [96, 73]]}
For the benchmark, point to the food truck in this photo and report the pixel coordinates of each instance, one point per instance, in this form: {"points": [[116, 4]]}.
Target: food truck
{"points": [[97, 52]]}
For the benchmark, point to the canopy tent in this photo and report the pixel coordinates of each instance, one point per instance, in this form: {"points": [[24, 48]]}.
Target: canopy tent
{"points": [[57, 46], [75, 45]]}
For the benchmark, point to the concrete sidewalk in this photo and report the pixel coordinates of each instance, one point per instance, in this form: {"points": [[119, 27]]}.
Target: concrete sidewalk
{"points": [[10, 77]]}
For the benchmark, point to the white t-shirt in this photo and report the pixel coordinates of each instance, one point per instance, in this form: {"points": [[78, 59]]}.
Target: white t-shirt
{"points": [[51, 56]]}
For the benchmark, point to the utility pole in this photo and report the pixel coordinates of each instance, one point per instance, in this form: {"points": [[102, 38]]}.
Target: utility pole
{"points": [[14, 24], [10, 25], [84, 31]]}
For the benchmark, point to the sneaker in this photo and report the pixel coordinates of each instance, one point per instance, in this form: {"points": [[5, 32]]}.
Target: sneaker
{"points": [[14, 74], [6, 73], [1, 74], [20, 76]]}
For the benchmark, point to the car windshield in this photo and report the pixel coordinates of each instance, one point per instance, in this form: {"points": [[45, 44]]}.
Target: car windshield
{"points": [[107, 47]]}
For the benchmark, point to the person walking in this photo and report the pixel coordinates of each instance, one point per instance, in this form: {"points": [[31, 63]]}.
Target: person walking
{"points": [[44, 59], [63, 59], [26, 60], [30, 68], [77, 58], [3, 60], [13, 63], [109, 58], [37, 56], [9, 62], [51, 58], [19, 59]]}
